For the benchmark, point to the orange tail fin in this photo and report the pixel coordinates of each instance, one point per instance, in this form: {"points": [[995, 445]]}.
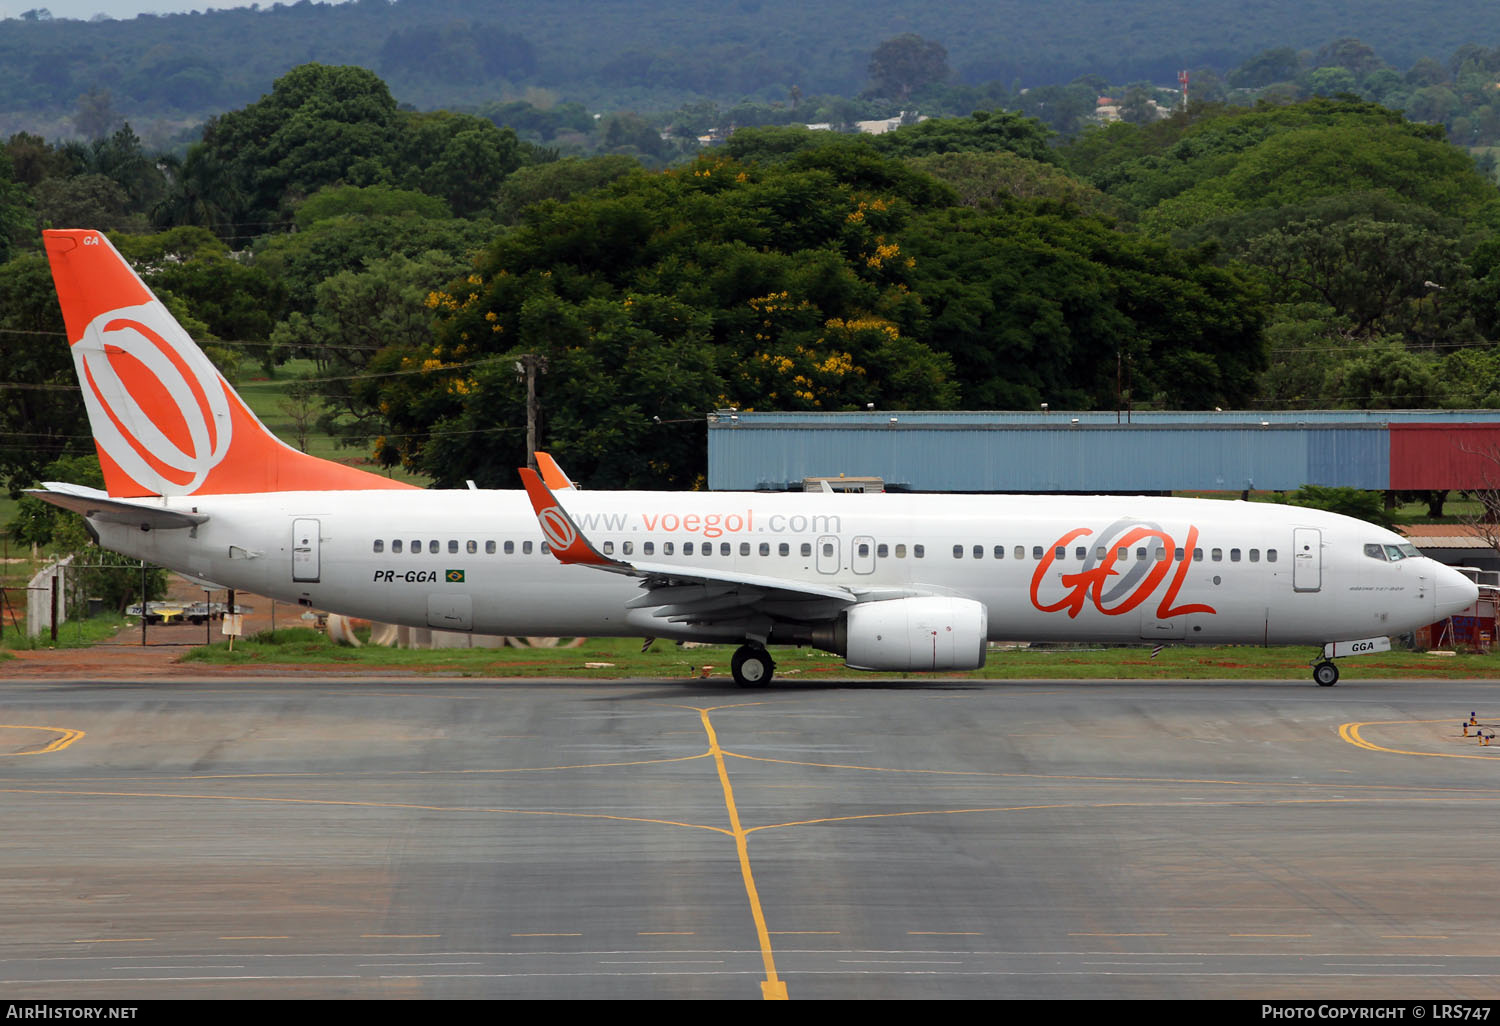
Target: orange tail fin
{"points": [[165, 421]]}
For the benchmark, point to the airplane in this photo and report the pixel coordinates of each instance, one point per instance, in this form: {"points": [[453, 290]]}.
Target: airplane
{"points": [[890, 582]]}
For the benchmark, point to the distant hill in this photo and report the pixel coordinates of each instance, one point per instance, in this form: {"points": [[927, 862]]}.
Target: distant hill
{"points": [[657, 54]]}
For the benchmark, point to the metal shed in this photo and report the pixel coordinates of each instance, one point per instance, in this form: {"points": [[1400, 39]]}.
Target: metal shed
{"points": [[1052, 451]]}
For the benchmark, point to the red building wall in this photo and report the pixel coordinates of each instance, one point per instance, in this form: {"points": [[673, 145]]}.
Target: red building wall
{"points": [[1434, 456]]}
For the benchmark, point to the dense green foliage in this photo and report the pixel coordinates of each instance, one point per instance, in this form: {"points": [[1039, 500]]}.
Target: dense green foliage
{"points": [[1329, 252], [615, 55]]}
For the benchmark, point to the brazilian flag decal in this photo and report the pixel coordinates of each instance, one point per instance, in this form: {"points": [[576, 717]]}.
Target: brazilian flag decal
{"points": [[455, 576]]}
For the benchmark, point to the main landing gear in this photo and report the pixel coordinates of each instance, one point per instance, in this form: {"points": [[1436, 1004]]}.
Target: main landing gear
{"points": [[752, 666], [1325, 673]]}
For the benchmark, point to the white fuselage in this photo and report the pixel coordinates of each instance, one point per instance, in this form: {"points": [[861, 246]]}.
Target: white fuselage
{"points": [[1047, 568]]}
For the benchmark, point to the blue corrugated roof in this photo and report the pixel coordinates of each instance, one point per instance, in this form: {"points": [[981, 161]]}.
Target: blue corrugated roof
{"points": [[1064, 451]]}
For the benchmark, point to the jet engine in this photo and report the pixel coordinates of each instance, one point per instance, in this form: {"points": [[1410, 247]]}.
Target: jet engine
{"points": [[928, 633]]}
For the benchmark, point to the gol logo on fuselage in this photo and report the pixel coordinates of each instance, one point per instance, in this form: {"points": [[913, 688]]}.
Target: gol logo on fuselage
{"points": [[132, 353], [1110, 591]]}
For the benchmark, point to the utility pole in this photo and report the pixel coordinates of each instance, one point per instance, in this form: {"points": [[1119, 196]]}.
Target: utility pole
{"points": [[527, 368]]}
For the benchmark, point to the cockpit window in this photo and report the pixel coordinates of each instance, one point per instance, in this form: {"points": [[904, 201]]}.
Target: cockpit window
{"points": [[1409, 550], [1393, 553], [1375, 552]]}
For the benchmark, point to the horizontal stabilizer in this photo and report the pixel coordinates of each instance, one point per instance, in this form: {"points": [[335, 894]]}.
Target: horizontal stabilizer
{"points": [[92, 502]]}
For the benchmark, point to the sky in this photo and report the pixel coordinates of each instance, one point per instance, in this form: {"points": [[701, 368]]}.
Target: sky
{"points": [[83, 10]]}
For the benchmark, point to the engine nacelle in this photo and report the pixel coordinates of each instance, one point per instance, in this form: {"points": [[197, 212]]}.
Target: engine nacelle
{"points": [[930, 633]]}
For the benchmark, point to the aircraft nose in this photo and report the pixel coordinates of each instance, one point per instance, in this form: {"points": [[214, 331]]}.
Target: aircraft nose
{"points": [[1455, 592]]}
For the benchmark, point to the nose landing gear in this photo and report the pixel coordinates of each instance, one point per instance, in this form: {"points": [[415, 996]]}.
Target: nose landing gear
{"points": [[1325, 673]]}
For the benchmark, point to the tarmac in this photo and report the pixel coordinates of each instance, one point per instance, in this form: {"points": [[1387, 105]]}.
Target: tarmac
{"points": [[179, 831]]}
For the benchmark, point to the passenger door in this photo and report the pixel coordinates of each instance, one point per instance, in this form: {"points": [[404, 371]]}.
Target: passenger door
{"points": [[1307, 559]]}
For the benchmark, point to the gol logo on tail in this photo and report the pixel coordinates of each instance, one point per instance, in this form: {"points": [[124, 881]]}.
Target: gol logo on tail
{"points": [[157, 406], [1110, 591]]}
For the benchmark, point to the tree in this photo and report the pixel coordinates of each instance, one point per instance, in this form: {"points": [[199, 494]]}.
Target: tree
{"points": [[355, 314], [1350, 502], [662, 296], [984, 179], [560, 180], [983, 131], [1278, 65], [95, 117], [318, 126], [231, 299], [1387, 376], [1139, 106], [458, 157], [906, 63], [41, 407], [1368, 271]]}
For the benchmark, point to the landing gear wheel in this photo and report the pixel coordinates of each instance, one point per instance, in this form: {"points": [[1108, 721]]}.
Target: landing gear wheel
{"points": [[752, 666], [1326, 674]]}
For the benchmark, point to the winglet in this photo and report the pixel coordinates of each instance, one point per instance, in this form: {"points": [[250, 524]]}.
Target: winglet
{"points": [[567, 542], [552, 474]]}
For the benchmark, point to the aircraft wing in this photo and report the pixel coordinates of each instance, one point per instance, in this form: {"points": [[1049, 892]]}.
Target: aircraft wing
{"points": [[92, 502], [679, 594]]}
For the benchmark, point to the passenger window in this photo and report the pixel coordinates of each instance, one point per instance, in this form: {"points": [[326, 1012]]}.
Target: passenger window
{"points": [[1020, 552], [958, 552], [687, 548], [666, 548], [864, 550], [765, 548], [626, 548], [901, 551], [1234, 555], [416, 545], [744, 548], [1217, 555], [1177, 554], [1255, 555], [432, 546], [510, 547], [1099, 552], [918, 551], [882, 550], [979, 552], [1270, 555], [545, 548], [783, 549], [1122, 553], [828, 548], [1081, 552], [1036, 552], [806, 549], [472, 546], [1140, 553], [1061, 553], [1160, 555], [396, 545], [379, 545], [526, 548], [648, 548], [453, 545], [609, 548], [1197, 555]]}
